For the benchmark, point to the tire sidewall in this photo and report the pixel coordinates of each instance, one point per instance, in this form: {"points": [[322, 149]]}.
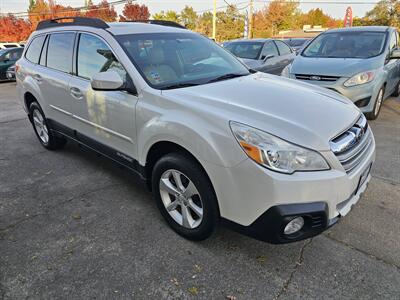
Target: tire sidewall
{"points": [[200, 179]]}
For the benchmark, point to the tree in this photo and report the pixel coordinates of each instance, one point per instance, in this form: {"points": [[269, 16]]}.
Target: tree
{"points": [[278, 15], [385, 12], [103, 11], [14, 29], [169, 15], [189, 17], [133, 12], [204, 24], [230, 24]]}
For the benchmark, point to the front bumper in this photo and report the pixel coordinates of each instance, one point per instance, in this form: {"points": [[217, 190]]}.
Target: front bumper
{"points": [[259, 202], [10, 75], [363, 95]]}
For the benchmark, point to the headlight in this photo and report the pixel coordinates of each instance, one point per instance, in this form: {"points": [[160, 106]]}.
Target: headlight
{"points": [[275, 153], [286, 71], [360, 78]]}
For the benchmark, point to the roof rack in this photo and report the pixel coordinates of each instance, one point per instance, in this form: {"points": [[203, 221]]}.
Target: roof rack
{"points": [[161, 22], [75, 21]]}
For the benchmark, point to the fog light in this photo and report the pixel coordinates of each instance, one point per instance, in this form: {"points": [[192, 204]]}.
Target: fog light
{"points": [[294, 225]]}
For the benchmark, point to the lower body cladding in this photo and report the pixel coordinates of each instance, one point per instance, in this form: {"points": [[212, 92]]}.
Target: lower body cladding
{"points": [[280, 208]]}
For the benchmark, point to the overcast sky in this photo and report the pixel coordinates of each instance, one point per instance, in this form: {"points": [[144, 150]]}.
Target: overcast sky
{"points": [[336, 10]]}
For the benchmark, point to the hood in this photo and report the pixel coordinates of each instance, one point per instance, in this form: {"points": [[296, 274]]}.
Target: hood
{"points": [[297, 112], [342, 67]]}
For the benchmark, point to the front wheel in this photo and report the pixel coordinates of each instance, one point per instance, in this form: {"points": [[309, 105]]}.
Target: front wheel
{"points": [[185, 196], [377, 107]]}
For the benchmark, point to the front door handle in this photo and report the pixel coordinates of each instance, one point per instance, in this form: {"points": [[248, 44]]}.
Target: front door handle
{"points": [[76, 93]]}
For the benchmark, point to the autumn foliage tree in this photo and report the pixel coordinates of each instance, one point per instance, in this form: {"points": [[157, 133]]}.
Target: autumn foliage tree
{"points": [[133, 11], [103, 11], [13, 29]]}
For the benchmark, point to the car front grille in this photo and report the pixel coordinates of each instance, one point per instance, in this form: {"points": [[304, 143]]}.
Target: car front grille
{"points": [[352, 146], [316, 77]]}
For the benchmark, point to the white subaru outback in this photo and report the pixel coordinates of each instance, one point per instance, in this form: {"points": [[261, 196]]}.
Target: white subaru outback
{"points": [[273, 158]]}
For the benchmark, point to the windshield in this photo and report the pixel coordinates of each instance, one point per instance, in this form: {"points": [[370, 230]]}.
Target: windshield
{"points": [[173, 60], [355, 44], [249, 50]]}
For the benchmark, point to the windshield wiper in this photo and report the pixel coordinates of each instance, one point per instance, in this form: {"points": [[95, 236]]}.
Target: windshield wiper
{"points": [[179, 85], [227, 76]]}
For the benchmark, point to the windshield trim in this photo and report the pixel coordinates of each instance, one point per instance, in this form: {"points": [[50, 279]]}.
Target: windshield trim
{"points": [[386, 33], [165, 87]]}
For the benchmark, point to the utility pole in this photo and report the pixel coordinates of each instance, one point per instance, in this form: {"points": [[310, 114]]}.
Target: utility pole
{"points": [[250, 32], [214, 33]]}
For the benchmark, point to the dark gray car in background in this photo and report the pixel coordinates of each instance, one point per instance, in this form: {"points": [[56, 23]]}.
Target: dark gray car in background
{"points": [[264, 55]]}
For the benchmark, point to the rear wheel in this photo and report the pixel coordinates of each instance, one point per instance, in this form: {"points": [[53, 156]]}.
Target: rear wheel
{"points": [[377, 107], [185, 196], [42, 129]]}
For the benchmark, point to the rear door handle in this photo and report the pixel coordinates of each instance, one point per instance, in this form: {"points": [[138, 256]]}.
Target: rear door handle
{"points": [[37, 77], [76, 93]]}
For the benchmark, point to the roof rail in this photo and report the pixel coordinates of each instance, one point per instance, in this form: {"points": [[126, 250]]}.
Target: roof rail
{"points": [[161, 22], [75, 21]]}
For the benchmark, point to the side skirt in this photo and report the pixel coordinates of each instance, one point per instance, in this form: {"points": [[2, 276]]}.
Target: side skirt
{"points": [[106, 151]]}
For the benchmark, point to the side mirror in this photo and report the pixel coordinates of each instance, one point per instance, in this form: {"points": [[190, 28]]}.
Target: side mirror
{"points": [[107, 81], [395, 54]]}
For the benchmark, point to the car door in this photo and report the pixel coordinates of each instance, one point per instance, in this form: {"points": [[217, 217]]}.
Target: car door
{"points": [[103, 119], [270, 58], [53, 74], [286, 55], [392, 66]]}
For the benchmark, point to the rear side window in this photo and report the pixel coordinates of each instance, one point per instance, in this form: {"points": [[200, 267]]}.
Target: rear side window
{"points": [[33, 52], [60, 51], [95, 56], [283, 48]]}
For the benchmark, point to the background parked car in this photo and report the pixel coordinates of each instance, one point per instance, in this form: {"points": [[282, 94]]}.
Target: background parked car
{"points": [[10, 74], [9, 45], [362, 63], [264, 55], [8, 57], [297, 44]]}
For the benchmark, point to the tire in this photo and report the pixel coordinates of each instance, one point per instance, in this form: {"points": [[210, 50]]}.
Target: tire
{"points": [[377, 106], [42, 129], [195, 184], [396, 92]]}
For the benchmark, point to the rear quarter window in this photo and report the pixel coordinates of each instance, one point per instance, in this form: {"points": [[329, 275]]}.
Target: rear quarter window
{"points": [[34, 49]]}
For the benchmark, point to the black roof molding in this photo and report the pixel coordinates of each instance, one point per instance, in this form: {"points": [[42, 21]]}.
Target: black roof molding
{"points": [[160, 22], [74, 21]]}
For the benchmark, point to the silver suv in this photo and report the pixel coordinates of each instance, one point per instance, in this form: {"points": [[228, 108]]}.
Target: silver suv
{"points": [[273, 158]]}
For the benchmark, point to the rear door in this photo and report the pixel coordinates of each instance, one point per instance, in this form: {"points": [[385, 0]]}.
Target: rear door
{"points": [[270, 58], [286, 54], [53, 75], [104, 118]]}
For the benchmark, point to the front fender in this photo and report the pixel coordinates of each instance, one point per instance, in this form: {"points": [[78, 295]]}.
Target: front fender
{"points": [[204, 139]]}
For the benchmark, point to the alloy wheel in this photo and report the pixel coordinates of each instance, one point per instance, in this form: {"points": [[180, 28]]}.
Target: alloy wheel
{"points": [[379, 100], [181, 199], [40, 126]]}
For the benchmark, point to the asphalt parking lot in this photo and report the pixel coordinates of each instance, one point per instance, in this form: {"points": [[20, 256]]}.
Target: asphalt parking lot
{"points": [[73, 225]]}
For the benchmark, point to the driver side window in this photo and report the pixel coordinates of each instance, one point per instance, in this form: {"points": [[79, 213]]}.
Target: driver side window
{"points": [[94, 56], [269, 50]]}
